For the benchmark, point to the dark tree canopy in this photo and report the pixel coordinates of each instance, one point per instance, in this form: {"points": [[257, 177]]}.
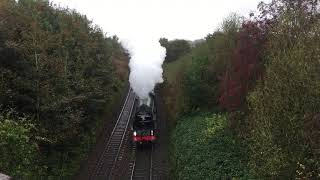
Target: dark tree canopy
{"points": [[175, 48]]}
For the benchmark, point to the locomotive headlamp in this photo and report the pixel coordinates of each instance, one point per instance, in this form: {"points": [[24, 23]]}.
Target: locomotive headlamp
{"points": [[151, 132], [134, 133]]}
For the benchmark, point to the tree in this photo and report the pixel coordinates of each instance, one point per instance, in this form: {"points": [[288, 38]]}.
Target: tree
{"points": [[246, 66], [175, 48], [286, 101], [56, 66], [164, 42]]}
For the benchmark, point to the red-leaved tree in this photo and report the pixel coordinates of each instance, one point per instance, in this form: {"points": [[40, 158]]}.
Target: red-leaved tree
{"points": [[246, 65]]}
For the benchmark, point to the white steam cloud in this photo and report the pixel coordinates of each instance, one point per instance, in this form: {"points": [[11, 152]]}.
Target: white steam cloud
{"points": [[145, 66]]}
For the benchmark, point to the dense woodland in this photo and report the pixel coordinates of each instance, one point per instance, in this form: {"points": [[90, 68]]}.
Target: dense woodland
{"points": [[58, 74], [250, 95]]}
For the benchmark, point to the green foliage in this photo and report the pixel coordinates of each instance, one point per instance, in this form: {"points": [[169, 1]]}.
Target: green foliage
{"points": [[231, 25], [209, 60], [58, 68], [18, 148], [290, 91], [222, 42], [281, 104], [191, 82], [281, 125], [205, 149], [164, 42], [196, 80], [175, 48]]}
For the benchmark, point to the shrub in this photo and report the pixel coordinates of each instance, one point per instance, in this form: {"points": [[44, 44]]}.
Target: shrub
{"points": [[19, 152], [290, 91]]}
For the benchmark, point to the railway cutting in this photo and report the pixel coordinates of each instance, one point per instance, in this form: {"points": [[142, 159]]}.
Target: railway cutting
{"points": [[135, 149]]}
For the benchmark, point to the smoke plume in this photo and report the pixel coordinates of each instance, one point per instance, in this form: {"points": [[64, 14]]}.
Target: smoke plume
{"points": [[145, 66]]}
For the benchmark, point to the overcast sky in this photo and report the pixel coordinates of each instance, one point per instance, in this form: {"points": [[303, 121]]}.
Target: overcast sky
{"points": [[151, 19], [140, 23]]}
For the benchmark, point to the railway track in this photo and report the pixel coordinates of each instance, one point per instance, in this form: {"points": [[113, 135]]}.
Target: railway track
{"points": [[142, 167], [151, 162], [112, 150], [148, 163]]}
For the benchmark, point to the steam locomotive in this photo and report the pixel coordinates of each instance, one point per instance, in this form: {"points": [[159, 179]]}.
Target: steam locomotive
{"points": [[144, 120]]}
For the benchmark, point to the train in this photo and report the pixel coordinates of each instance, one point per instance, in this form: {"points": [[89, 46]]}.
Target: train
{"points": [[145, 120]]}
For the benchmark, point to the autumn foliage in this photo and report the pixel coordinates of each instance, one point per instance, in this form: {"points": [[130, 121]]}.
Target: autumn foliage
{"points": [[265, 74], [246, 65]]}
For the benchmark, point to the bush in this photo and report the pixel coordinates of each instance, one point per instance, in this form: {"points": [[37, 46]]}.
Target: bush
{"points": [[205, 149], [19, 151]]}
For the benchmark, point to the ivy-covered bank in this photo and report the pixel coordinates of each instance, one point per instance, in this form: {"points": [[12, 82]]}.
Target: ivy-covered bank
{"points": [[203, 148]]}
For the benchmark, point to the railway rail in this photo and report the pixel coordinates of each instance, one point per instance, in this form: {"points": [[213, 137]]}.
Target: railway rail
{"points": [[143, 164], [120, 158], [112, 150], [149, 163]]}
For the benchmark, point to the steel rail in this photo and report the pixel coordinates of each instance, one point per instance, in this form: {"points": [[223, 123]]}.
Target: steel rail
{"points": [[102, 156], [122, 138]]}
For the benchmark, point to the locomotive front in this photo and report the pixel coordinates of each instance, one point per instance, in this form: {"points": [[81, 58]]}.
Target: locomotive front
{"points": [[144, 121]]}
